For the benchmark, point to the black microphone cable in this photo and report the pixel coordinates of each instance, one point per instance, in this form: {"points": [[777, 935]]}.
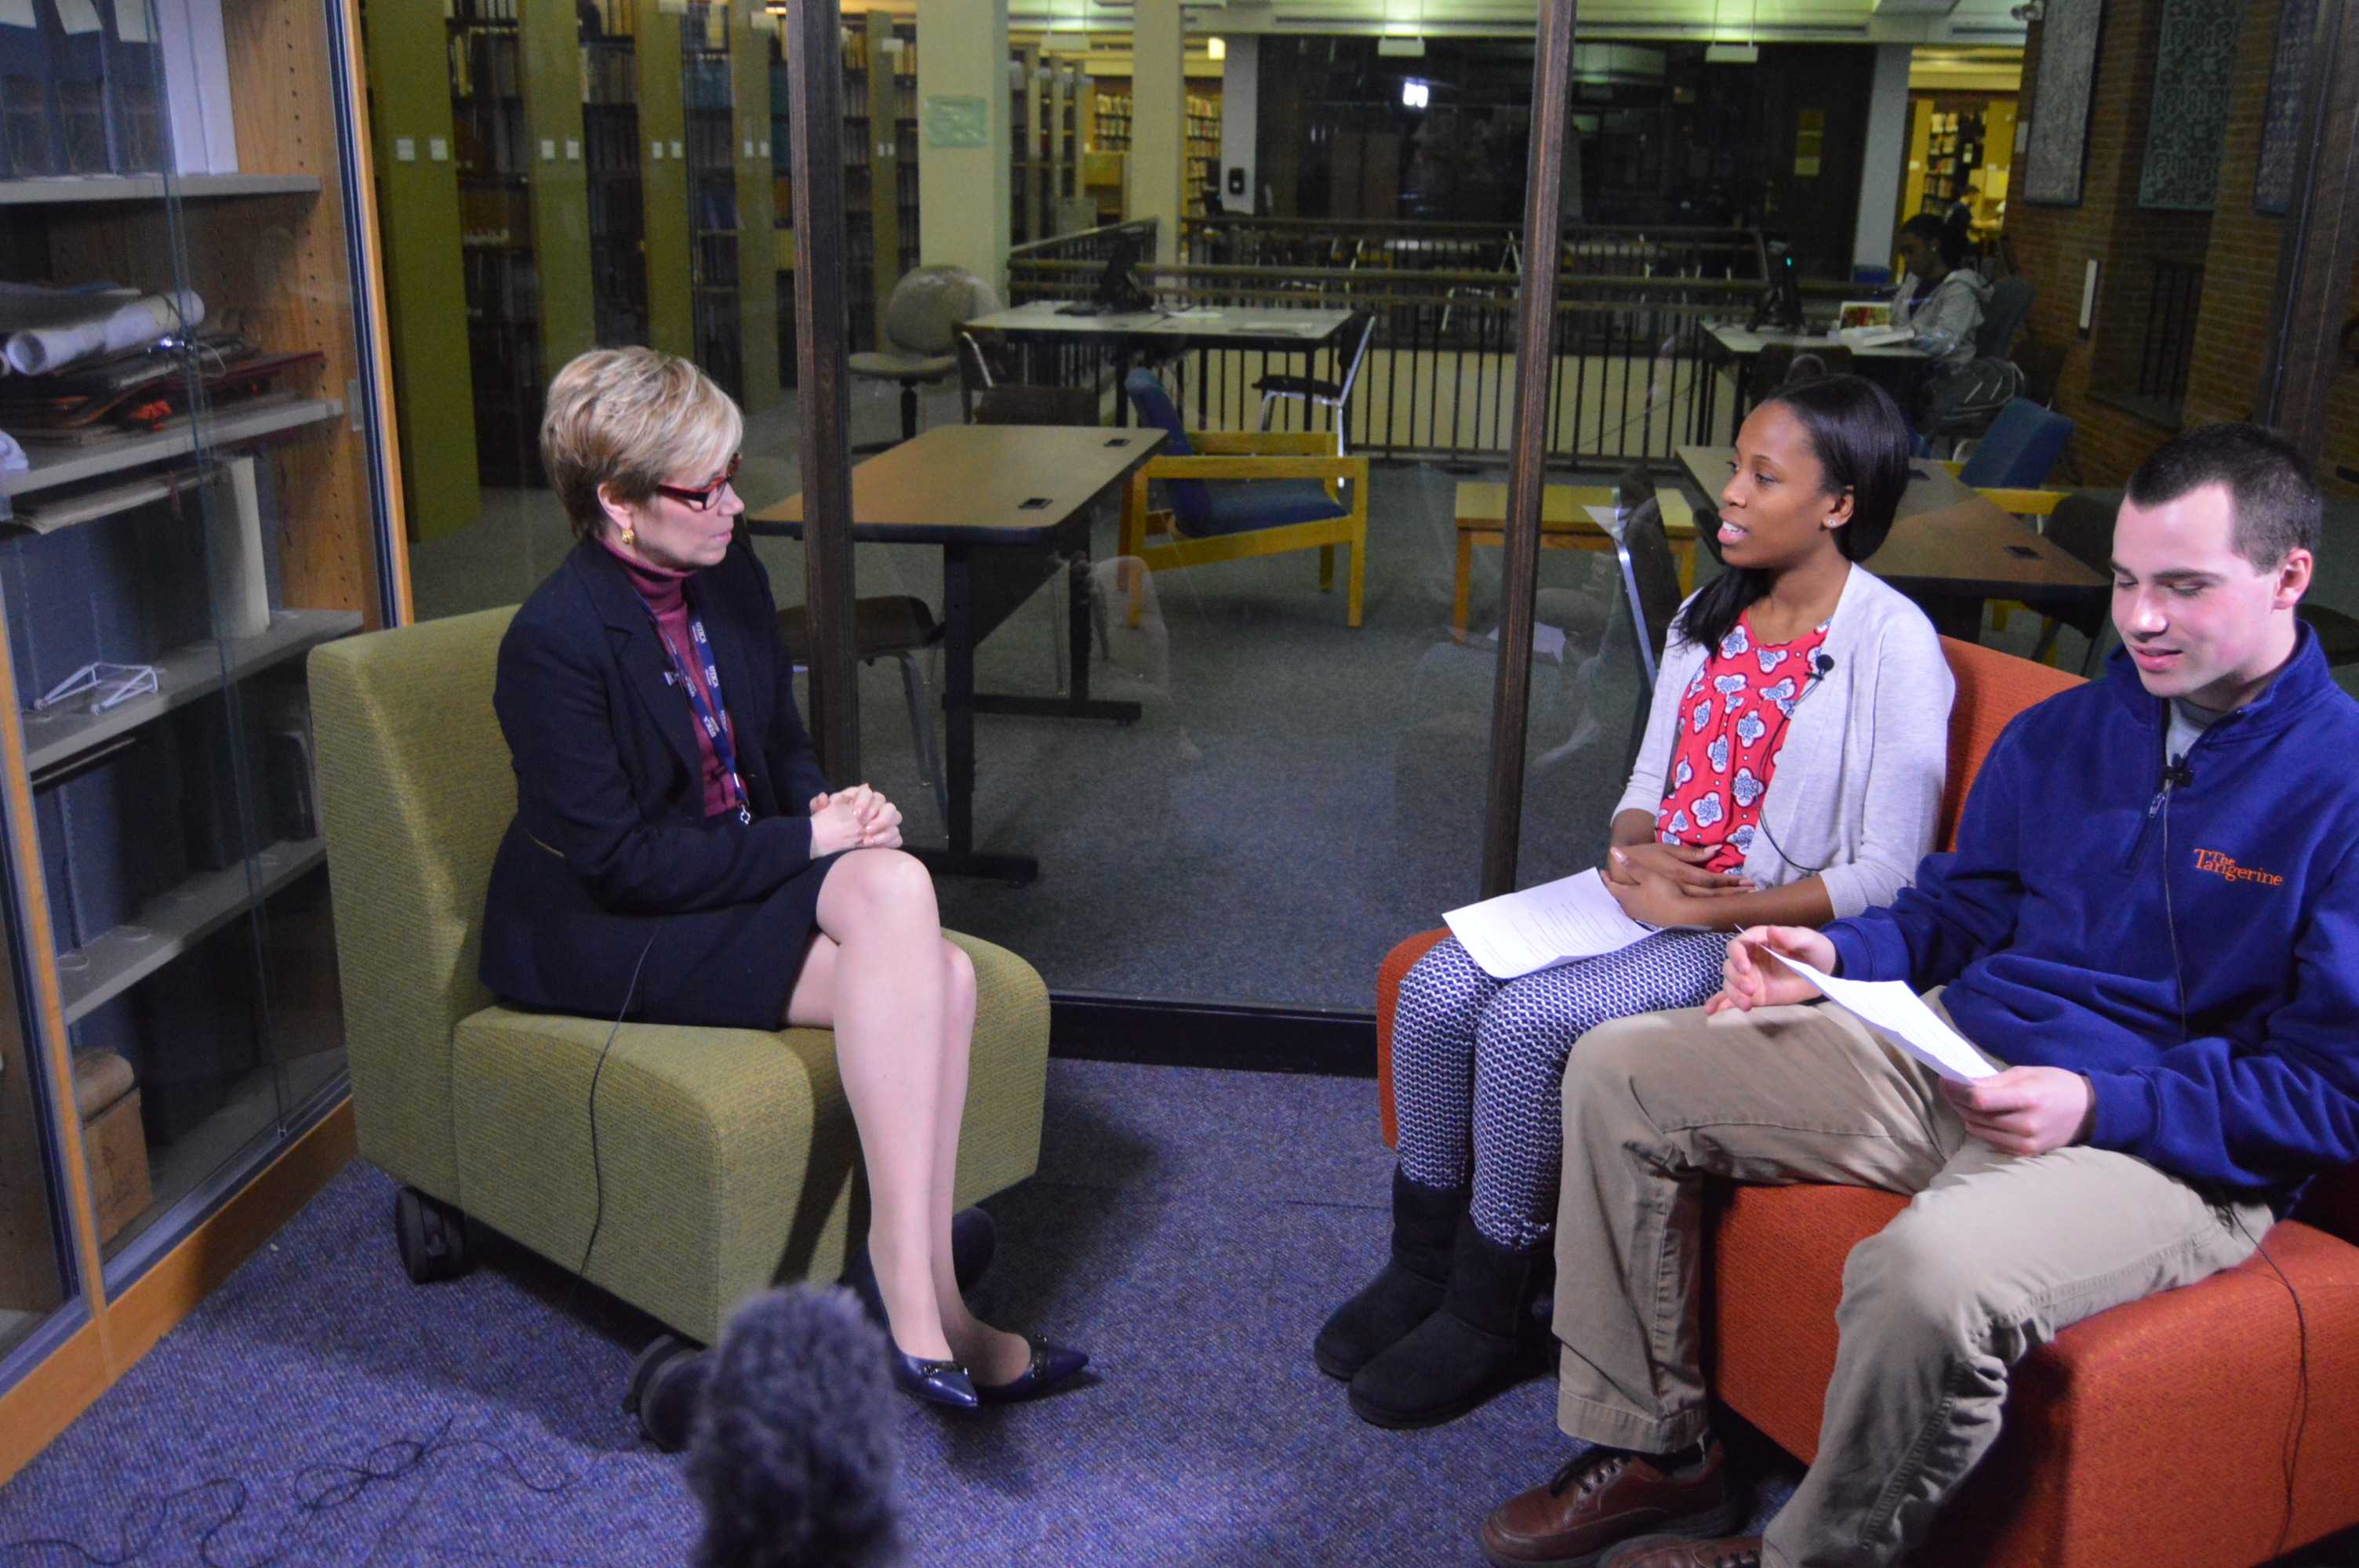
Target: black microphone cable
{"points": [[597, 1170], [2176, 775]]}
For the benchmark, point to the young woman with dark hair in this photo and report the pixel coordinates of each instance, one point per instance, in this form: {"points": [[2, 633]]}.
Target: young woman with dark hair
{"points": [[1791, 773]]}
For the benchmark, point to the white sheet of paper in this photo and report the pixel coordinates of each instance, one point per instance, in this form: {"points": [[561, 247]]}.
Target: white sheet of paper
{"points": [[1548, 642], [1902, 1015], [1538, 928], [1605, 517]]}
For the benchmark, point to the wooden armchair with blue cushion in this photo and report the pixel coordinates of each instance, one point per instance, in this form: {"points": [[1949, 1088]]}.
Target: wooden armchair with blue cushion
{"points": [[1235, 494]]}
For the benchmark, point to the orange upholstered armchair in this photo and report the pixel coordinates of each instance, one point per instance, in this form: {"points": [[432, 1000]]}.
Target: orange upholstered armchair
{"points": [[2156, 1434]]}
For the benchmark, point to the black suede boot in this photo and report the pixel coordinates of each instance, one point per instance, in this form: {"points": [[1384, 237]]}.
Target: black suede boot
{"points": [[1478, 1345], [1410, 1288]]}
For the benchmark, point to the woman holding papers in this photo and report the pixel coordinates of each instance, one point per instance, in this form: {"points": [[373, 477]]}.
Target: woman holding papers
{"points": [[1792, 772]]}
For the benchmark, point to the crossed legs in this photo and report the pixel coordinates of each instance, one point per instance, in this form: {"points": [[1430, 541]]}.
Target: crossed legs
{"points": [[901, 1000]]}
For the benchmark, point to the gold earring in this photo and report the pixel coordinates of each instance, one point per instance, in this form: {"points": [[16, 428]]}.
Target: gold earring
{"points": [[630, 538]]}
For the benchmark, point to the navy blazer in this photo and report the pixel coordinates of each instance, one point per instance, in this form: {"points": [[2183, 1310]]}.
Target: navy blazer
{"points": [[610, 826]]}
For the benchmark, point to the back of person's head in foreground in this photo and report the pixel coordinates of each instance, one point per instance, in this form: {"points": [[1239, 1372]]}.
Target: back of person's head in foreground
{"points": [[1820, 466], [793, 1451], [2213, 549], [622, 422]]}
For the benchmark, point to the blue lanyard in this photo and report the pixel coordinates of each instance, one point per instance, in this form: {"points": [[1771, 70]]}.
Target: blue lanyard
{"points": [[723, 750]]}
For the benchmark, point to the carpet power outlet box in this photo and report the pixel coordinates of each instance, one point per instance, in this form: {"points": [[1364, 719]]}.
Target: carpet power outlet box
{"points": [[113, 1143]]}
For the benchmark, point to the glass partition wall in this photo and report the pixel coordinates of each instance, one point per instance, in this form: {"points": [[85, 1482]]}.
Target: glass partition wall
{"points": [[1265, 796], [1286, 771]]}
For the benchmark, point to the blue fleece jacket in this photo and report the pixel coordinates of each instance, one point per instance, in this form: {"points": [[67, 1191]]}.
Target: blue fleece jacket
{"points": [[2051, 928]]}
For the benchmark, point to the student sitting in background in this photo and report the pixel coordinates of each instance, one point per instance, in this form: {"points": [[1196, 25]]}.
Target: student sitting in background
{"points": [[1943, 299], [1757, 798]]}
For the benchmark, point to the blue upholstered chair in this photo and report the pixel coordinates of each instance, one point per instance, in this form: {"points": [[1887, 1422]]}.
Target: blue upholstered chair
{"points": [[1235, 494], [2020, 450]]}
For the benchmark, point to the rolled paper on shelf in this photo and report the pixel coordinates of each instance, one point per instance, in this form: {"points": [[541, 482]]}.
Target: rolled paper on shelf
{"points": [[118, 330]]}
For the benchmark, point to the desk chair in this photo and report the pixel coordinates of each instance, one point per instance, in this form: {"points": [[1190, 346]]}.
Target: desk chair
{"points": [[921, 321], [1974, 403], [1650, 587], [2118, 1431], [1236, 495], [1315, 393], [889, 626], [2020, 450], [726, 1157]]}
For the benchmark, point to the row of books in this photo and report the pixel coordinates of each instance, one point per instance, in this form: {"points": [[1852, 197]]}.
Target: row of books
{"points": [[485, 65], [610, 144], [502, 285], [856, 56], [710, 146], [610, 72], [82, 90], [706, 79]]}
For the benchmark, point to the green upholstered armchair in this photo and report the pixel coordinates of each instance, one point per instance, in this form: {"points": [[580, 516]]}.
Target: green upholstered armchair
{"points": [[727, 1155]]}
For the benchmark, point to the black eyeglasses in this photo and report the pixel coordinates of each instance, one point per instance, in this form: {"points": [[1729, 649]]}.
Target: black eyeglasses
{"points": [[704, 499]]}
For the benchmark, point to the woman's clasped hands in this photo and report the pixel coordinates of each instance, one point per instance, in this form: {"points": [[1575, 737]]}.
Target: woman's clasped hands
{"points": [[1666, 884], [854, 819]]}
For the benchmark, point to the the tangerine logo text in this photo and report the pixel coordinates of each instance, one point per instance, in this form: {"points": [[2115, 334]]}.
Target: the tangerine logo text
{"points": [[2222, 866]]}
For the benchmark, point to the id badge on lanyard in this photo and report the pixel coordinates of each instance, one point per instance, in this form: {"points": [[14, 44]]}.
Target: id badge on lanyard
{"points": [[707, 712]]}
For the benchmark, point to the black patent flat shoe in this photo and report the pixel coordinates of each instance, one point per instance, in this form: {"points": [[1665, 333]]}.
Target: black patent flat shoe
{"points": [[934, 1382], [1051, 1364]]}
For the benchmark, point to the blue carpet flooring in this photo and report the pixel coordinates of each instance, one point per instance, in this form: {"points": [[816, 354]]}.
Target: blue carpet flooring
{"points": [[1190, 1229]]}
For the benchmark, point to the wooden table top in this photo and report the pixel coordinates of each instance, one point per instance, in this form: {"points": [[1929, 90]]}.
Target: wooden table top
{"points": [[1303, 329], [984, 485], [1482, 508], [1945, 539]]}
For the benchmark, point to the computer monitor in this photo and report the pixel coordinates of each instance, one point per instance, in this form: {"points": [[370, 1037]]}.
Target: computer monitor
{"points": [[1117, 289], [1780, 308]]}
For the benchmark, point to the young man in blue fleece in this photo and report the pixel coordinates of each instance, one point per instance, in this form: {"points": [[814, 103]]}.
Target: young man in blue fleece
{"points": [[2152, 914]]}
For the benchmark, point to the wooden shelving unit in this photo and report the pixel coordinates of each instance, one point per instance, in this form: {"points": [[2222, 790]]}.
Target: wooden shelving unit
{"points": [[152, 188], [141, 920]]}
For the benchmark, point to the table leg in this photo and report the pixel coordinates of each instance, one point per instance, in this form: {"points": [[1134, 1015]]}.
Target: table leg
{"points": [[1463, 586], [1686, 550], [1079, 703], [1958, 615], [959, 634]]}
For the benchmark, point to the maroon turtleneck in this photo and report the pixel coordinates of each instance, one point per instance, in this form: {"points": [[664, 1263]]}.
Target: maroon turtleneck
{"points": [[664, 593]]}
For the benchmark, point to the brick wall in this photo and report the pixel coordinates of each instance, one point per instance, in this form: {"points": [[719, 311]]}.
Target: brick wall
{"points": [[2053, 244], [2238, 247], [2240, 270]]}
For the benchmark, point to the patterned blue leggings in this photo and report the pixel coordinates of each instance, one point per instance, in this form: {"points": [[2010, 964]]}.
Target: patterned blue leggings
{"points": [[1478, 1065]]}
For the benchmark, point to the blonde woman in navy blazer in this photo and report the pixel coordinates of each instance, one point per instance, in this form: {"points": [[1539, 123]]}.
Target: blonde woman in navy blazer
{"points": [[677, 856]]}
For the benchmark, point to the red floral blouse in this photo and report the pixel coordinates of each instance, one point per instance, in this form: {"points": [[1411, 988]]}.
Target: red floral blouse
{"points": [[1733, 719]]}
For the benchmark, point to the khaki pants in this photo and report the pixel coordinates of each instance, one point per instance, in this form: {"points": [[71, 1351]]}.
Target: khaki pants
{"points": [[1994, 1255]]}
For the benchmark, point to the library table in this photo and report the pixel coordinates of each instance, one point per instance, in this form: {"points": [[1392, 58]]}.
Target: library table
{"points": [[1009, 505]]}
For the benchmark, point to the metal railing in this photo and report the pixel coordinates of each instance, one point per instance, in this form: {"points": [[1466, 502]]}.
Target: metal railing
{"points": [[1405, 245], [1085, 246], [1632, 371]]}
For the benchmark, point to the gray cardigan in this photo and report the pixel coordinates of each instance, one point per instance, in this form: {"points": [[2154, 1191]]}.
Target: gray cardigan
{"points": [[1860, 770]]}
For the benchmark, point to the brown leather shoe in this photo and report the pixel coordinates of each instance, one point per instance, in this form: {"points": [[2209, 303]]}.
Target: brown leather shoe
{"points": [[1663, 1552], [1602, 1499]]}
